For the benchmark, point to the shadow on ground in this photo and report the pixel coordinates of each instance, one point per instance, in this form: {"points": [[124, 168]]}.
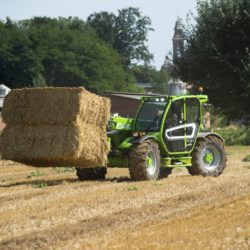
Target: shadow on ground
{"points": [[40, 182], [62, 181]]}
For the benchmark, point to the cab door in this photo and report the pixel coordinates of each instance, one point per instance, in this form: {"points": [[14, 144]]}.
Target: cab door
{"points": [[192, 121], [182, 125]]}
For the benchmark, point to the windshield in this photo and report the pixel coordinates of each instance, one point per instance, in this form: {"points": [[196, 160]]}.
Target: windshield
{"points": [[150, 116]]}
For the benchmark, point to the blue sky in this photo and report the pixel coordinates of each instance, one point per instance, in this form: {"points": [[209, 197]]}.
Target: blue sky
{"points": [[163, 14]]}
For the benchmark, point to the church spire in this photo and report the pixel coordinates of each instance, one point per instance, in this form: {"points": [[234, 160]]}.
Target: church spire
{"points": [[178, 40]]}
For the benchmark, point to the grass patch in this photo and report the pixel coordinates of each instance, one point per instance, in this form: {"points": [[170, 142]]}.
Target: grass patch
{"points": [[247, 158], [6, 179], [34, 174], [60, 170], [132, 188], [40, 185], [157, 183], [239, 136]]}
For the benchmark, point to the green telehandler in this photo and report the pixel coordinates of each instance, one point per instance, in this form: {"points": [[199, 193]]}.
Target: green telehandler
{"points": [[167, 132]]}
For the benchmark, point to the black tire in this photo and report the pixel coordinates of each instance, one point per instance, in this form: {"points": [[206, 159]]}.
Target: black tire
{"points": [[97, 173], [144, 161], [208, 157]]}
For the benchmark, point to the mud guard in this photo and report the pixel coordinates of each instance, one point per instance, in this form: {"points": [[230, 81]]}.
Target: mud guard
{"points": [[143, 138], [206, 134]]}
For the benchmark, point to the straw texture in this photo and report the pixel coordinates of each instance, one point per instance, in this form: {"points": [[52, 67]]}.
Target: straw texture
{"points": [[55, 127]]}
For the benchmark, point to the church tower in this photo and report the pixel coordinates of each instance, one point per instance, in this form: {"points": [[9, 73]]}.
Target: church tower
{"points": [[178, 40], [175, 86]]}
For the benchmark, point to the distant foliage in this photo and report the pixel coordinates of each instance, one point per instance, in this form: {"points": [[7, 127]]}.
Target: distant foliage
{"points": [[126, 32], [46, 51], [148, 74], [247, 158], [99, 54], [232, 136], [218, 54]]}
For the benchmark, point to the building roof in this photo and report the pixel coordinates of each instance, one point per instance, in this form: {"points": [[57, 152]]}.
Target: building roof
{"points": [[144, 84], [178, 24], [1, 102], [4, 90], [2, 86], [135, 96], [178, 30]]}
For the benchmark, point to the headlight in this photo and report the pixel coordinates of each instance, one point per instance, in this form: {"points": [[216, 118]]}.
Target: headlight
{"points": [[138, 134]]}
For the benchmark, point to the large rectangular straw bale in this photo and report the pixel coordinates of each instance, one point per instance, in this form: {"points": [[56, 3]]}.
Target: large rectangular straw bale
{"points": [[55, 106], [55, 127], [80, 146]]}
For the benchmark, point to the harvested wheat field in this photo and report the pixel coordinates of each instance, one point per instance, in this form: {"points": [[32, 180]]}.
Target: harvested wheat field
{"points": [[48, 208]]}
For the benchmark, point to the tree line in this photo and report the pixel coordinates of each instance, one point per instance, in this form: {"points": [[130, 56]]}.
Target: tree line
{"points": [[103, 53]]}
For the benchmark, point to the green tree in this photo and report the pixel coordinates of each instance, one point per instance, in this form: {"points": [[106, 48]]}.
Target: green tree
{"points": [[72, 55], [104, 25], [149, 74], [126, 32], [18, 64], [58, 52], [161, 83], [217, 54], [144, 73]]}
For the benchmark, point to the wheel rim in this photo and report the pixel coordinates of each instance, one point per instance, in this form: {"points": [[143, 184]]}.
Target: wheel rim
{"points": [[210, 158], [151, 163]]}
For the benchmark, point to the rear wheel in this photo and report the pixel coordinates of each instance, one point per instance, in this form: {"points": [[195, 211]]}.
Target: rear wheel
{"points": [[144, 161], [208, 157], [97, 173]]}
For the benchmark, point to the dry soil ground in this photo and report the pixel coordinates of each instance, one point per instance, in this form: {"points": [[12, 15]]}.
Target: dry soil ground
{"points": [[50, 209]]}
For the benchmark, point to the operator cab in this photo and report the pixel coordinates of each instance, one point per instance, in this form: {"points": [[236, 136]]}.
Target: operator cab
{"points": [[175, 121]]}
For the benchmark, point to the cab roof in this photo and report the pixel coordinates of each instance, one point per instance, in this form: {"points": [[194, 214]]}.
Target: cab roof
{"points": [[202, 98]]}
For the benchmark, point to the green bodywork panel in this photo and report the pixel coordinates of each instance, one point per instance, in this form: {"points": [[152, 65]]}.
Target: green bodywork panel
{"points": [[123, 131], [121, 123], [117, 159], [120, 139], [181, 161], [126, 143]]}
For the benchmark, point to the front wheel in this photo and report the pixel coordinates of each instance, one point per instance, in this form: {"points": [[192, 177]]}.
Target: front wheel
{"points": [[208, 157], [144, 161], [97, 173]]}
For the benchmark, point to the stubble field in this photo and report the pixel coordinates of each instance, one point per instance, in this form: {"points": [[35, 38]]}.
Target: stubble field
{"points": [[48, 208]]}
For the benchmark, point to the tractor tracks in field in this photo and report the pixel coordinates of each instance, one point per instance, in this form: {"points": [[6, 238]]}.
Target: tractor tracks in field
{"points": [[127, 212]]}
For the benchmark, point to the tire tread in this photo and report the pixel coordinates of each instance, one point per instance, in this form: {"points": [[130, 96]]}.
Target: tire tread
{"points": [[196, 168]]}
